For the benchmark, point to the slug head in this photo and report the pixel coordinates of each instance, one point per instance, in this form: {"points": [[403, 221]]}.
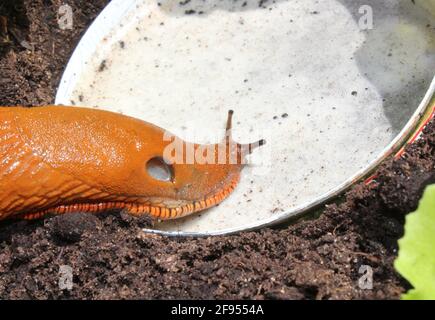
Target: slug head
{"points": [[188, 173]]}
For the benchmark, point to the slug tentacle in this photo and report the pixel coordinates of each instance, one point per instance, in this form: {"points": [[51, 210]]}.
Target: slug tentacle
{"points": [[56, 160], [242, 150]]}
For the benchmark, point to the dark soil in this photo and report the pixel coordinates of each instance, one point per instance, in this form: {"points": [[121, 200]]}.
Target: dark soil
{"points": [[111, 258]]}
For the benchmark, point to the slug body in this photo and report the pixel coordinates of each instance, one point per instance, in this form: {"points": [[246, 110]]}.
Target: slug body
{"points": [[56, 160]]}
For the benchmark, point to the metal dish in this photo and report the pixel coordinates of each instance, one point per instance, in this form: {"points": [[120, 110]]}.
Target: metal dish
{"points": [[390, 66]]}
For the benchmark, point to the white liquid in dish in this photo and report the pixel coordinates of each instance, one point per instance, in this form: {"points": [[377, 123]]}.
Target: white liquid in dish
{"points": [[287, 70]]}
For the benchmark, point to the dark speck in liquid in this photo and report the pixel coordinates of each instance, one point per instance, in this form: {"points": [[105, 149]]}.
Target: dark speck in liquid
{"points": [[103, 66]]}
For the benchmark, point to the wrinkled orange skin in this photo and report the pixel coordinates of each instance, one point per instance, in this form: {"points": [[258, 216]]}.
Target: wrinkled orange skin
{"points": [[56, 159]]}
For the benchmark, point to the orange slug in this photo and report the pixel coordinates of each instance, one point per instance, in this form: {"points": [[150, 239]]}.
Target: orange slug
{"points": [[56, 159]]}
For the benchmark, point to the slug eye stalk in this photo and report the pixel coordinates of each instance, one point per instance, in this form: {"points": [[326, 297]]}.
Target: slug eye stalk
{"points": [[242, 150]]}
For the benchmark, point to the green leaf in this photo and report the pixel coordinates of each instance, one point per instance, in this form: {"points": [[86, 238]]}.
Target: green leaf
{"points": [[416, 260]]}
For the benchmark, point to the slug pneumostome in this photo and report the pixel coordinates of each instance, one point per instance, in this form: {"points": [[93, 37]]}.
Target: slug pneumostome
{"points": [[56, 160]]}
